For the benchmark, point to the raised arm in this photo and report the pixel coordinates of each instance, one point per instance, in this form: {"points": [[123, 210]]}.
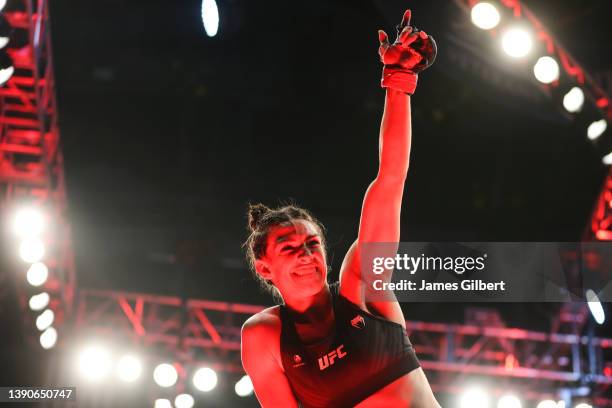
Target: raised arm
{"points": [[380, 213]]}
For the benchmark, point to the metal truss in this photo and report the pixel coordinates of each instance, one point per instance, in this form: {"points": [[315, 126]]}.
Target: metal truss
{"points": [[31, 161], [539, 364], [593, 90], [600, 227], [601, 220]]}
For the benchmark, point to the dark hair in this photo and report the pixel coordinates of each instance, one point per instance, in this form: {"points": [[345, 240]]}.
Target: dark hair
{"points": [[260, 220]]}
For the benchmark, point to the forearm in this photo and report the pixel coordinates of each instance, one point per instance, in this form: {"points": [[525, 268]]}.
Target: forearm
{"points": [[395, 135]]}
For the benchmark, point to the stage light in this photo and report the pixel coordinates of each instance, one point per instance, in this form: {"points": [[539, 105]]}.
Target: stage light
{"points": [[31, 250], [607, 159], [596, 129], [128, 368], [244, 386], [474, 397], [516, 42], [573, 100], [547, 404], [583, 405], [45, 319], [165, 375], [509, 401], [39, 302], [2, 4], [6, 68], [28, 222], [48, 338], [595, 307], [94, 363], [205, 379], [37, 274], [546, 70], [162, 403], [485, 16], [210, 17], [184, 401]]}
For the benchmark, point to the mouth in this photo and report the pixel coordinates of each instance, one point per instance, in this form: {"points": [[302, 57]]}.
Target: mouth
{"points": [[305, 270]]}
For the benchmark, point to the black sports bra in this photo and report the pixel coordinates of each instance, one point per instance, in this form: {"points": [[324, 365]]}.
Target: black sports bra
{"points": [[363, 354]]}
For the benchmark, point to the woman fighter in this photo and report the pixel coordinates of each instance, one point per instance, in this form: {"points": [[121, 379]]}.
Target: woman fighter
{"points": [[327, 345]]}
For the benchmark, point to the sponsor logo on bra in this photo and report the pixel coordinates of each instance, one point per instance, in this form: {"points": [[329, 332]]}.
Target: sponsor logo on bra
{"points": [[298, 361], [330, 358], [358, 322]]}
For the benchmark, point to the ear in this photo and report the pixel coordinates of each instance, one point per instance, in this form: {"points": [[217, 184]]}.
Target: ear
{"points": [[262, 268]]}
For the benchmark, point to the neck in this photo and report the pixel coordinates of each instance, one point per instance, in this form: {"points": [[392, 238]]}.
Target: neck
{"points": [[311, 308]]}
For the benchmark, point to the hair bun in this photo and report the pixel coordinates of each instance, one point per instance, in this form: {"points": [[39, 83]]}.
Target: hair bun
{"points": [[256, 213]]}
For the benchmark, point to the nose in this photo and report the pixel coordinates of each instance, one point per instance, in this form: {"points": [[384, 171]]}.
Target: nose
{"points": [[305, 254]]}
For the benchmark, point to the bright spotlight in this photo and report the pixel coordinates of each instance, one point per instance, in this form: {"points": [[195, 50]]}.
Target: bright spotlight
{"points": [[244, 386], [595, 307], [205, 379], [37, 274], [210, 17], [547, 404], [596, 129], [509, 401], [546, 70], [2, 4], [165, 375], [607, 159], [573, 100], [39, 302], [485, 16], [94, 363], [162, 403], [474, 397], [583, 405], [45, 319], [28, 222], [31, 250], [184, 401], [48, 338], [516, 42], [128, 368]]}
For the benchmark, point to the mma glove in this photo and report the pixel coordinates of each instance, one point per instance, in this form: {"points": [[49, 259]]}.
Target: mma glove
{"points": [[412, 52]]}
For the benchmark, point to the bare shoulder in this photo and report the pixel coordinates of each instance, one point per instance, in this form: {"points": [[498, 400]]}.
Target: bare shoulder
{"points": [[261, 336], [262, 361], [263, 323]]}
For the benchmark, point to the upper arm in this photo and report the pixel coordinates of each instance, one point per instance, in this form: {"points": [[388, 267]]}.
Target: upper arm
{"points": [[269, 381], [352, 288], [379, 223]]}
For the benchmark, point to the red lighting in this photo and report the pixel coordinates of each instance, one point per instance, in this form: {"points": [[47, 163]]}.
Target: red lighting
{"points": [[603, 102]]}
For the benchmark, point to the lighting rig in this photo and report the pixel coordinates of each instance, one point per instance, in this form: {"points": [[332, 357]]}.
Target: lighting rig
{"points": [[32, 187]]}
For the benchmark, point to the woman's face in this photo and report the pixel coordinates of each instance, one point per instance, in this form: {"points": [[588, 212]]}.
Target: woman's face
{"points": [[295, 259]]}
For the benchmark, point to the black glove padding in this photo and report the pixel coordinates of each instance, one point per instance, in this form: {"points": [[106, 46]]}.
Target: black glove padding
{"points": [[426, 47]]}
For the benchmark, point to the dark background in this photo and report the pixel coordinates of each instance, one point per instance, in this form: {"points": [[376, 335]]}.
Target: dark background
{"points": [[168, 134]]}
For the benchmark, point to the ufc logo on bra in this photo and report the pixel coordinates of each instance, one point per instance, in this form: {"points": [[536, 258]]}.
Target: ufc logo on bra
{"points": [[330, 358]]}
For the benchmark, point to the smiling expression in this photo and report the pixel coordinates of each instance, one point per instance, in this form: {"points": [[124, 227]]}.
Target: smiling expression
{"points": [[295, 259]]}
